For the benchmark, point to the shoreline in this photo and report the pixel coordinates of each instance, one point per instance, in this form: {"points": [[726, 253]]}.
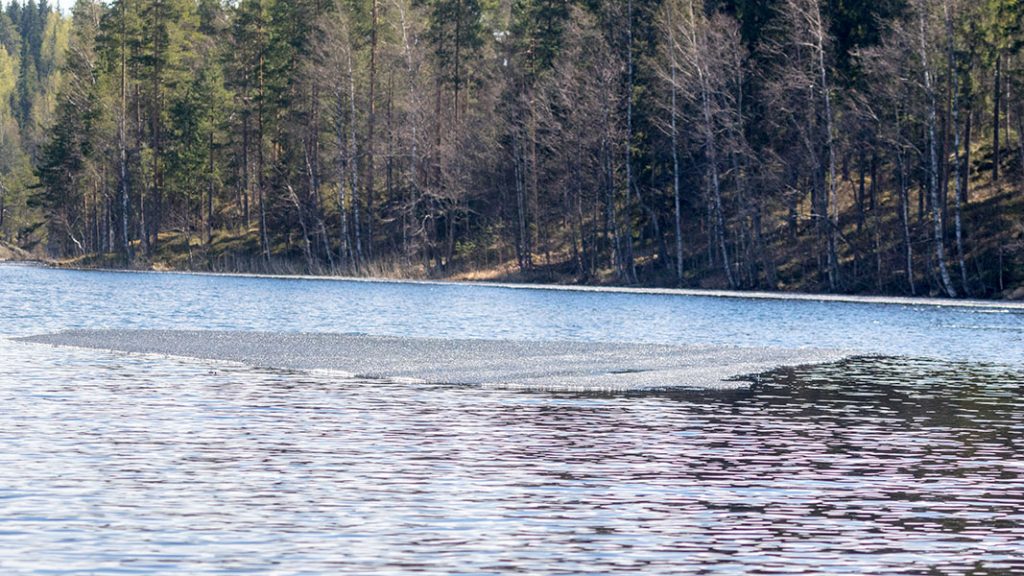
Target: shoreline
{"points": [[930, 302]]}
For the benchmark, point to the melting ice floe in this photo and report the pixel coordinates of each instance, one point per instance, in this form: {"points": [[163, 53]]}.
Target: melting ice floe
{"points": [[569, 366]]}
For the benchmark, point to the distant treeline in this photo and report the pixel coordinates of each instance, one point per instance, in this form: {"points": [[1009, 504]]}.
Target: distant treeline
{"points": [[838, 145]]}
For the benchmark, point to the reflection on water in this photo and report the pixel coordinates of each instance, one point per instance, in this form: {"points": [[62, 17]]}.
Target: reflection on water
{"points": [[114, 464]]}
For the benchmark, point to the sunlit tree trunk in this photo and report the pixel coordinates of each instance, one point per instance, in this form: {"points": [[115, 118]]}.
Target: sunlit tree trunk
{"points": [[933, 175], [955, 77]]}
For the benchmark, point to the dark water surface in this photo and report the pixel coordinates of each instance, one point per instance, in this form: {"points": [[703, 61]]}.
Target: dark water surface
{"points": [[114, 464]]}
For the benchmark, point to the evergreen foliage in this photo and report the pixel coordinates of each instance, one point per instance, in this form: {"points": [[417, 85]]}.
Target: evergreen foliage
{"points": [[841, 145]]}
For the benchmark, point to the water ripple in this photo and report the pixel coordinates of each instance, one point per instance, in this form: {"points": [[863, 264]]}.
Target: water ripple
{"points": [[115, 464], [145, 465]]}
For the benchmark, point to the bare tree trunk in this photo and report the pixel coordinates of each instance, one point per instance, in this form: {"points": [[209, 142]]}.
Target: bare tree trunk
{"points": [[861, 190], [1020, 136], [521, 241], [414, 163], [908, 247], [246, 184], [371, 128], [306, 248], [438, 173], [873, 190], [720, 221], [354, 162], [996, 107], [313, 163], [209, 197], [260, 167], [876, 224], [611, 224], [344, 245], [144, 216], [630, 263], [156, 126], [577, 209], [965, 191], [1007, 119], [389, 173], [955, 76], [458, 60], [711, 142], [312, 203], [92, 225], [675, 176], [933, 186], [122, 138], [569, 223], [771, 271], [532, 208], [831, 204]]}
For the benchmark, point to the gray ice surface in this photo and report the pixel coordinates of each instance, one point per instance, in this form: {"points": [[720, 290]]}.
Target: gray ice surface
{"points": [[561, 366]]}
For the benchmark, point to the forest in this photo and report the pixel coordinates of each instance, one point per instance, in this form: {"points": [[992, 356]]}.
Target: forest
{"points": [[845, 146]]}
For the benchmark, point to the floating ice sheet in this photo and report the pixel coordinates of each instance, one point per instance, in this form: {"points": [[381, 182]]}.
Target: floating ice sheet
{"points": [[567, 366]]}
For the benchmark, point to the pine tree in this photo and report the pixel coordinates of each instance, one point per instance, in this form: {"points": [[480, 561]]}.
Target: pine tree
{"points": [[66, 158]]}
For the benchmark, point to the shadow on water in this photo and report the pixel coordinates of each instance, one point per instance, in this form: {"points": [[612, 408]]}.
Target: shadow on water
{"points": [[887, 379], [920, 391], [871, 466], [902, 465]]}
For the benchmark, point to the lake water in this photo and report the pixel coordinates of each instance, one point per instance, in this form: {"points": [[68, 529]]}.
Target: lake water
{"points": [[912, 463]]}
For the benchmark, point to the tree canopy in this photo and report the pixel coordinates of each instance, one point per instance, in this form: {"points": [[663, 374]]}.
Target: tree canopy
{"points": [[838, 145]]}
